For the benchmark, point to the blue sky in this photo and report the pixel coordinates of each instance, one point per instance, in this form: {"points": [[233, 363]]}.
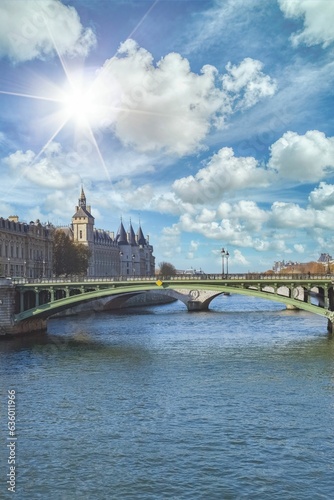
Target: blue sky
{"points": [[211, 122]]}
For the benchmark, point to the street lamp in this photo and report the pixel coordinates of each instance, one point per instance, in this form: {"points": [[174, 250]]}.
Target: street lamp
{"points": [[133, 264], [223, 255]]}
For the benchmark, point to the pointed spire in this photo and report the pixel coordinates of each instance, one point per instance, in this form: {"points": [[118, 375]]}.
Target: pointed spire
{"points": [[132, 236], [82, 199], [140, 237], [121, 238]]}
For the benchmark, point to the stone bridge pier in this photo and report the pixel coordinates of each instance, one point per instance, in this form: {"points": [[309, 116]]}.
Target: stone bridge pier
{"points": [[8, 309], [195, 300]]}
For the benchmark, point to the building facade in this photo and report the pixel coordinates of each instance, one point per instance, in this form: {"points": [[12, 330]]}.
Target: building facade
{"points": [[126, 254], [25, 249]]}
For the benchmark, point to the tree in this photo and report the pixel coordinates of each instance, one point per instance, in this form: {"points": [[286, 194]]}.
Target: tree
{"points": [[69, 257], [167, 269]]}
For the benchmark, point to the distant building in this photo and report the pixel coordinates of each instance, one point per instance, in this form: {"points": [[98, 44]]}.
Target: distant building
{"points": [[325, 258], [192, 272], [25, 249], [280, 265], [126, 254]]}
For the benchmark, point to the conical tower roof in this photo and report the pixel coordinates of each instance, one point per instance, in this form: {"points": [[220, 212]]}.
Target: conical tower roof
{"points": [[121, 237], [132, 236], [140, 237]]}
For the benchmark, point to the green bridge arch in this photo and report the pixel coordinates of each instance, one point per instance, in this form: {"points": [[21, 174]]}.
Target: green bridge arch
{"points": [[194, 290]]}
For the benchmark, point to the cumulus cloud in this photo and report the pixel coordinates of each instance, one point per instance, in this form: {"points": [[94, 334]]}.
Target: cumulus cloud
{"points": [[230, 230], [292, 215], [246, 212], [239, 258], [49, 170], [304, 158], [322, 196], [299, 248], [247, 83], [318, 17], [202, 201], [166, 106], [37, 29], [193, 247], [224, 173]]}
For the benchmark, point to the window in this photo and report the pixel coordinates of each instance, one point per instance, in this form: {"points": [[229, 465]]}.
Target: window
{"points": [[80, 235]]}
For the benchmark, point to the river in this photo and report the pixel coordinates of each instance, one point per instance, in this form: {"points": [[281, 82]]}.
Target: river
{"points": [[159, 403]]}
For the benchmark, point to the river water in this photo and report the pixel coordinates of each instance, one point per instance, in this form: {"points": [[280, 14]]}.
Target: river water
{"points": [[159, 403]]}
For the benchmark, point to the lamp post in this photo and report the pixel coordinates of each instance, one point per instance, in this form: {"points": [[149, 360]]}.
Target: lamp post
{"points": [[133, 264], [227, 256], [223, 255], [120, 263]]}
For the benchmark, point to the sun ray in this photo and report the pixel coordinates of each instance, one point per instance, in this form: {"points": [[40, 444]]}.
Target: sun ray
{"points": [[75, 102], [48, 142], [99, 154], [143, 19], [36, 157], [30, 96], [60, 57]]}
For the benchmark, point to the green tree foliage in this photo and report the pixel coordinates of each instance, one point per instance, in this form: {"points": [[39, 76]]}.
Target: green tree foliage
{"points": [[69, 257], [167, 269]]}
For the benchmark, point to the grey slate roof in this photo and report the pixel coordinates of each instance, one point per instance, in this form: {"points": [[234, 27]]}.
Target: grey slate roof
{"points": [[121, 237]]}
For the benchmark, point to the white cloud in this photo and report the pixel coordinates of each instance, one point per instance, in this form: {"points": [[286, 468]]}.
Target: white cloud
{"points": [[165, 106], [305, 158], [193, 247], [248, 83], [322, 196], [36, 29], [299, 248], [232, 232], [60, 204], [49, 170], [239, 258], [218, 19], [224, 173], [291, 215], [318, 17]]}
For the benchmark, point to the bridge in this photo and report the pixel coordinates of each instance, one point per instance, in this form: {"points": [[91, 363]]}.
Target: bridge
{"points": [[26, 305]]}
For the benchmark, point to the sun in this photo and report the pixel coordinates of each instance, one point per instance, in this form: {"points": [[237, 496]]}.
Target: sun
{"points": [[80, 105]]}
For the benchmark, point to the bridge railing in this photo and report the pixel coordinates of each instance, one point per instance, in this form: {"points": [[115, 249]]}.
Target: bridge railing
{"points": [[178, 277]]}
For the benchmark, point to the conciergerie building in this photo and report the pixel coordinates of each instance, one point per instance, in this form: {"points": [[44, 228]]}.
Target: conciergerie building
{"points": [[26, 249]]}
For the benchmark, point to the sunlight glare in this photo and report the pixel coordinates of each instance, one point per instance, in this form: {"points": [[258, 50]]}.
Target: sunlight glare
{"points": [[79, 105]]}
